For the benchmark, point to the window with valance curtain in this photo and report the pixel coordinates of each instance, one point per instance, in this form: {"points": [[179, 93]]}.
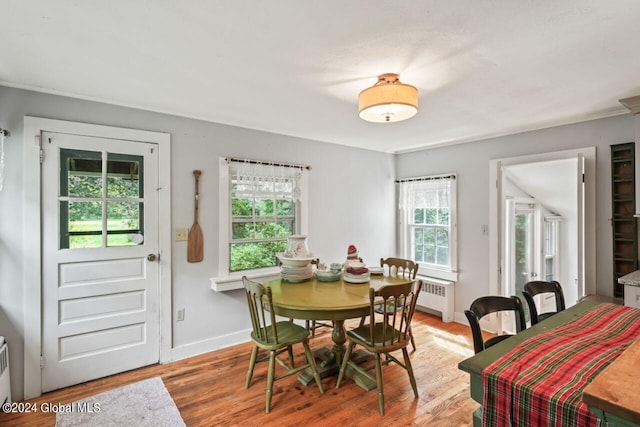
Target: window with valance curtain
{"points": [[427, 222], [264, 204]]}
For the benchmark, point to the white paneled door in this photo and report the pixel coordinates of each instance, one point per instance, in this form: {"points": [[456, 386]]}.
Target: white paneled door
{"points": [[100, 258]]}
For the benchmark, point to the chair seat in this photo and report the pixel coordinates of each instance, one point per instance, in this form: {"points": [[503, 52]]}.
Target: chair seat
{"points": [[362, 335], [379, 308], [495, 340], [288, 333], [543, 316]]}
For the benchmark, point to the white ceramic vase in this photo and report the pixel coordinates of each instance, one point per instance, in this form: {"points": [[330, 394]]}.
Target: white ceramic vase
{"points": [[297, 247]]}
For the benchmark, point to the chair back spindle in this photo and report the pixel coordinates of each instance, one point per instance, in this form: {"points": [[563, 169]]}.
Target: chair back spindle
{"points": [[404, 267], [397, 304], [263, 322]]}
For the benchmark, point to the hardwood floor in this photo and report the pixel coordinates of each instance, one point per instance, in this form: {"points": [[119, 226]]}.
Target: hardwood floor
{"points": [[209, 389]]}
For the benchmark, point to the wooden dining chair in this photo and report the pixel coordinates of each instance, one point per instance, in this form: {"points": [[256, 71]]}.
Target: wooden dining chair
{"points": [[398, 304], [403, 268], [537, 287], [275, 337], [493, 304]]}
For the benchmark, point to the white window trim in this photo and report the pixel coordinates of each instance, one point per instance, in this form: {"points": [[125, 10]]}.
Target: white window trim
{"points": [[429, 269], [226, 281]]}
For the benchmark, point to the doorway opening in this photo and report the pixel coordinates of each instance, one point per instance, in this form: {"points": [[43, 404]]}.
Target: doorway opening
{"points": [[542, 216]]}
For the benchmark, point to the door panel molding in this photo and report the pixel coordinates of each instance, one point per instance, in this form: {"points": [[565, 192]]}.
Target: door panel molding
{"points": [[32, 262]]}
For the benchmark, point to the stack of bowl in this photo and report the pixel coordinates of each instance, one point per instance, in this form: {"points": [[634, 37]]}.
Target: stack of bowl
{"points": [[295, 269]]}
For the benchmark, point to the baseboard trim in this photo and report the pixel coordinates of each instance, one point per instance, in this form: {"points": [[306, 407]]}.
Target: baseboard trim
{"points": [[208, 345]]}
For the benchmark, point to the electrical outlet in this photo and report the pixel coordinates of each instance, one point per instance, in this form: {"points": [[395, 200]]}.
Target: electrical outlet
{"points": [[180, 315], [181, 234]]}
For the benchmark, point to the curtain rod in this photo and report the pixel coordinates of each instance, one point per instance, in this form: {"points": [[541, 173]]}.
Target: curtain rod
{"points": [[4, 132], [260, 162], [426, 178]]}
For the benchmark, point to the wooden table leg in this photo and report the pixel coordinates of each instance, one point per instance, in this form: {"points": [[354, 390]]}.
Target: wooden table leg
{"points": [[332, 359]]}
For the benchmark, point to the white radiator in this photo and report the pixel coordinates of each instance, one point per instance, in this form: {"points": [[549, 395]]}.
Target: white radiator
{"points": [[437, 295], [5, 383]]}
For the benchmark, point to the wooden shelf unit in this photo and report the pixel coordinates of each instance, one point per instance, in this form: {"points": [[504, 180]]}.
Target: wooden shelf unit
{"points": [[624, 225]]}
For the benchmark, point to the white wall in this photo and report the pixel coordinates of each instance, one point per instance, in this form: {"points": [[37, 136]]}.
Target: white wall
{"points": [[471, 162], [352, 201]]}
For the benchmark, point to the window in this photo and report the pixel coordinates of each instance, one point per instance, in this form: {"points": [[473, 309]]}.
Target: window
{"points": [[260, 205], [428, 224], [101, 199], [551, 225]]}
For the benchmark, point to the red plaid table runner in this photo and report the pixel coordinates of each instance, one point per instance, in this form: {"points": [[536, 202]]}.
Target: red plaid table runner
{"points": [[540, 382]]}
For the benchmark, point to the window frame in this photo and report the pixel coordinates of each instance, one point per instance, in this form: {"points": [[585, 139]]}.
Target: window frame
{"points": [[406, 228], [551, 237], [301, 215]]}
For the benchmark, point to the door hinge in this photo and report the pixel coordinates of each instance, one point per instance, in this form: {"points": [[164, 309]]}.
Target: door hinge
{"points": [[40, 150], [42, 362]]}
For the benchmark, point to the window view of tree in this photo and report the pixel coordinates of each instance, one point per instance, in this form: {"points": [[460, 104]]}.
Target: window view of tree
{"points": [[431, 235], [262, 218], [82, 220]]}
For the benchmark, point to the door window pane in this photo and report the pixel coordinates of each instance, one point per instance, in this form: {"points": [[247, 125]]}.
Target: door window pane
{"points": [[124, 176], [123, 223], [80, 173], [523, 250], [83, 225]]}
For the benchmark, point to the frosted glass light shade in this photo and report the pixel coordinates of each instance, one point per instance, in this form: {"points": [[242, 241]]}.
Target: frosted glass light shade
{"points": [[388, 100]]}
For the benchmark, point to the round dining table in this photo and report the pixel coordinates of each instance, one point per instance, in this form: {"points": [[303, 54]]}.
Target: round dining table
{"points": [[330, 301]]}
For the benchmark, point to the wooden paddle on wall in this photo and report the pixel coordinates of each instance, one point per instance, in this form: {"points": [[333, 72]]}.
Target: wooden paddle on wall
{"points": [[194, 244]]}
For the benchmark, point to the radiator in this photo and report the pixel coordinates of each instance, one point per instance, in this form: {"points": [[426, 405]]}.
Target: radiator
{"points": [[437, 295], [5, 383]]}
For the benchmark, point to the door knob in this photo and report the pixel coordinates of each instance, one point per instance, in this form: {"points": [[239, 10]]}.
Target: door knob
{"points": [[152, 257]]}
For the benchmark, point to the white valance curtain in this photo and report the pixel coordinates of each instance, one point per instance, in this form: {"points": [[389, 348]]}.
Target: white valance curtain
{"points": [[427, 192], [253, 179]]}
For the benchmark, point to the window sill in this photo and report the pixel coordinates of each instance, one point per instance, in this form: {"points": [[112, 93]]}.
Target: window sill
{"points": [[230, 283], [438, 273]]}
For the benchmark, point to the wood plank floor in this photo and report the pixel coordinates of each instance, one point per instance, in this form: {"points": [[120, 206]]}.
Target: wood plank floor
{"points": [[209, 389]]}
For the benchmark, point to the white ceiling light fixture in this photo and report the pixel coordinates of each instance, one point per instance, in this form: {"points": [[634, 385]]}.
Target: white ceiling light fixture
{"points": [[388, 100]]}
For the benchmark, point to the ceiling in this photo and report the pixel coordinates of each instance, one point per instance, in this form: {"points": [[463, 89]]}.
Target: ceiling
{"points": [[553, 183], [483, 67]]}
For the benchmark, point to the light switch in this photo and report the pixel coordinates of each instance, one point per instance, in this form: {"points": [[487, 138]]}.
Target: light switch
{"points": [[182, 234]]}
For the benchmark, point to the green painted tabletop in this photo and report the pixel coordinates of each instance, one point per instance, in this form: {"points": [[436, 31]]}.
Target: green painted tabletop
{"points": [[314, 300]]}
